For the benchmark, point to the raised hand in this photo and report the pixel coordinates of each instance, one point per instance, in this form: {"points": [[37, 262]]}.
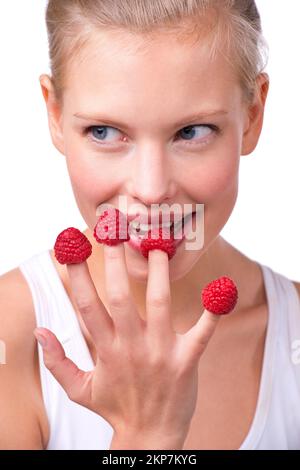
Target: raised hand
{"points": [[145, 380]]}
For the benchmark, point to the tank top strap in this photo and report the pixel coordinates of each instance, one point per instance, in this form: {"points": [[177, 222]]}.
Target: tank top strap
{"points": [[53, 308], [269, 362], [286, 296]]}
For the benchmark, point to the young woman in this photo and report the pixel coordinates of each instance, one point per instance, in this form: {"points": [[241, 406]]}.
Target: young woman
{"points": [[154, 101]]}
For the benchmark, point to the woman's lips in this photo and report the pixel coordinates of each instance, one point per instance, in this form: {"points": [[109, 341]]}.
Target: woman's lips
{"points": [[179, 235]]}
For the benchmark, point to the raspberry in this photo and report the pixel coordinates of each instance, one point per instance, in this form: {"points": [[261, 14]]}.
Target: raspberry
{"points": [[72, 247], [220, 296], [112, 228], [164, 244]]}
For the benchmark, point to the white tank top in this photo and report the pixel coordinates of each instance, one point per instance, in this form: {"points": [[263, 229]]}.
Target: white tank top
{"points": [[276, 422]]}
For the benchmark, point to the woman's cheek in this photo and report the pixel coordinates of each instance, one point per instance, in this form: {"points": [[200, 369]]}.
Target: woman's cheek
{"points": [[219, 197], [223, 178], [89, 175], [213, 178]]}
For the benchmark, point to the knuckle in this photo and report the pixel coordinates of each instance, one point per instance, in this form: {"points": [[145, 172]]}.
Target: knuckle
{"points": [[132, 351], [49, 364], [85, 305], [138, 355], [159, 301], [204, 340], [85, 309], [73, 395], [118, 299], [198, 349], [53, 364], [157, 362], [134, 357]]}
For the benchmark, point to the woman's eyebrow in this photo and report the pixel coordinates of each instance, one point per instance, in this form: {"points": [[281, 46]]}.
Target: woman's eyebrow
{"points": [[191, 118]]}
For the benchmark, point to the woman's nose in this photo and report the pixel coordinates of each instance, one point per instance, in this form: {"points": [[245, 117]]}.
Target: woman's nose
{"points": [[152, 179]]}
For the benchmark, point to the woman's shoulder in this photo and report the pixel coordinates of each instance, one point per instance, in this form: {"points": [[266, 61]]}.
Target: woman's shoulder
{"points": [[20, 392], [17, 311]]}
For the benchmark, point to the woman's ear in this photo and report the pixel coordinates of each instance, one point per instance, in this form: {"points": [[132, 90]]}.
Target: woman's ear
{"points": [[54, 112], [255, 115]]}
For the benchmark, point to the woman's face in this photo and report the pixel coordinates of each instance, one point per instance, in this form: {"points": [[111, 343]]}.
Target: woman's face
{"points": [[161, 124]]}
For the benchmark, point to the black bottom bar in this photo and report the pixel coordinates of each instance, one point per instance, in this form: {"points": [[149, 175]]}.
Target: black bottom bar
{"points": [[136, 458]]}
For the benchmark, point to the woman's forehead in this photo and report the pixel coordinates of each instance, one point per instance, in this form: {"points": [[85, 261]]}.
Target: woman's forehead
{"points": [[117, 64]]}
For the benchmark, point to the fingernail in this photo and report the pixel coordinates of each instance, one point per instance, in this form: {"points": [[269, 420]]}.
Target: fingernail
{"points": [[41, 338]]}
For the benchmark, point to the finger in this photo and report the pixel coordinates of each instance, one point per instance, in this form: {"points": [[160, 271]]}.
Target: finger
{"points": [[158, 296], [73, 380], [123, 310], [93, 312], [197, 338]]}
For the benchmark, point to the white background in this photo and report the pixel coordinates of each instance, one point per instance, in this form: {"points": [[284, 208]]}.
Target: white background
{"points": [[36, 199]]}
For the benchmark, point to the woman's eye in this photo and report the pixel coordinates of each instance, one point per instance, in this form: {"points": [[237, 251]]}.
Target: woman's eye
{"points": [[198, 134], [103, 133]]}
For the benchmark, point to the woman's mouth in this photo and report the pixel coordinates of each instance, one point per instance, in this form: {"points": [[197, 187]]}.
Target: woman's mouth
{"points": [[177, 231]]}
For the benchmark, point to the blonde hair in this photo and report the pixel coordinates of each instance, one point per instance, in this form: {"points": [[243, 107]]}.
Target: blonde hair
{"points": [[236, 30]]}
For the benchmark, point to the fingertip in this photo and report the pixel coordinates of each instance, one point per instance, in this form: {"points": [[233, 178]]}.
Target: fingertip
{"points": [[41, 336], [41, 330]]}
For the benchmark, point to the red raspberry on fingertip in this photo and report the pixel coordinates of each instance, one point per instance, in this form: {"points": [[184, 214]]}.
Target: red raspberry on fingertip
{"points": [[111, 228], [165, 243], [220, 296], [72, 247]]}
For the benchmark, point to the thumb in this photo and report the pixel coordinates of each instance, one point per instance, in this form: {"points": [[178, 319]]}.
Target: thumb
{"points": [[72, 379]]}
